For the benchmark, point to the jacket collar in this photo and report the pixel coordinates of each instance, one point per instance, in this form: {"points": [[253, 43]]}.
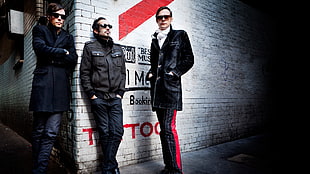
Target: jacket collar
{"points": [[155, 40], [105, 43], [62, 36], [58, 39]]}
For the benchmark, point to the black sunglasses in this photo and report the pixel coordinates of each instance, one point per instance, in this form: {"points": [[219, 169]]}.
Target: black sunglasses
{"points": [[163, 16], [56, 15], [105, 25]]}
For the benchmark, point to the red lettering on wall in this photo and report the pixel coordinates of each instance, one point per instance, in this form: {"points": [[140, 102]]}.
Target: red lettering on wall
{"points": [[133, 130], [142, 129], [90, 135], [138, 14], [156, 128]]}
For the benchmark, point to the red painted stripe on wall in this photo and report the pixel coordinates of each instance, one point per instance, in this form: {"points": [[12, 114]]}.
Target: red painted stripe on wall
{"points": [[138, 14]]}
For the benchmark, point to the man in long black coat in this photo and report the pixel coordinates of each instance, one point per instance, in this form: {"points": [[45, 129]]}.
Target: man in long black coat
{"points": [[50, 95], [171, 57]]}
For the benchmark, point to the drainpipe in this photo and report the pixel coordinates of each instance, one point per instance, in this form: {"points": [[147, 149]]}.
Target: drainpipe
{"points": [[39, 9]]}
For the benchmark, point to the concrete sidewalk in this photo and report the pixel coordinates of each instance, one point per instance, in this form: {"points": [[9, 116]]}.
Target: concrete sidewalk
{"points": [[250, 155]]}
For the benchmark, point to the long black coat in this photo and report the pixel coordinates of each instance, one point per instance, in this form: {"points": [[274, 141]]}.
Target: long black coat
{"points": [[175, 56], [51, 84]]}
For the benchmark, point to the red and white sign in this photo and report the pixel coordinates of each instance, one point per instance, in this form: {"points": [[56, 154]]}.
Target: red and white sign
{"points": [[138, 14]]}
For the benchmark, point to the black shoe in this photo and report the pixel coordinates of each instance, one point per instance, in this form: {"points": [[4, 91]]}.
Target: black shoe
{"points": [[165, 171], [116, 171]]}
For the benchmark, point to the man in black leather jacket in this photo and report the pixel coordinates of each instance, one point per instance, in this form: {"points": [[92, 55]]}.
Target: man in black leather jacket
{"points": [[171, 57], [103, 76]]}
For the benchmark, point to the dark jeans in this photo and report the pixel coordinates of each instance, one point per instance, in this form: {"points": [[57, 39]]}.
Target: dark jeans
{"points": [[45, 130], [109, 119], [169, 140]]}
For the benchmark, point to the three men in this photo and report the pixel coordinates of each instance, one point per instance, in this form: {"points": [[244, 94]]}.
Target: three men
{"points": [[103, 76]]}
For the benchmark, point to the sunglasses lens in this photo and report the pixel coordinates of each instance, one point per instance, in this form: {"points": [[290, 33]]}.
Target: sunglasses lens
{"points": [[106, 25], [56, 15], [162, 17]]}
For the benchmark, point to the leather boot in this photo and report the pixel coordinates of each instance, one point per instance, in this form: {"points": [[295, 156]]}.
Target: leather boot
{"points": [[116, 171]]}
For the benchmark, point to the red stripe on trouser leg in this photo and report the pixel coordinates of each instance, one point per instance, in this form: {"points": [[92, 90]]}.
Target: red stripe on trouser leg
{"points": [[176, 140]]}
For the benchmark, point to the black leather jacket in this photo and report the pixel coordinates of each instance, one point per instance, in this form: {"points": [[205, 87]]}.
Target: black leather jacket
{"points": [[175, 56], [102, 70]]}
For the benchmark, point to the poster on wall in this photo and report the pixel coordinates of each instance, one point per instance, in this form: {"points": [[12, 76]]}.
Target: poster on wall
{"points": [[16, 22]]}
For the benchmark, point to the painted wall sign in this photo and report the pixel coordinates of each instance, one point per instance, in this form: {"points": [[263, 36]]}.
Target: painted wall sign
{"points": [[146, 129], [138, 14], [137, 64]]}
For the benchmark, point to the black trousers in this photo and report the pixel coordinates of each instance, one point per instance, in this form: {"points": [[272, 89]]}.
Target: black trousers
{"points": [[108, 114], [169, 140], [45, 130]]}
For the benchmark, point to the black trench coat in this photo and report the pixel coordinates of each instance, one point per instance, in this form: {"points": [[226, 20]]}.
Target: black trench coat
{"points": [[175, 56], [51, 81]]}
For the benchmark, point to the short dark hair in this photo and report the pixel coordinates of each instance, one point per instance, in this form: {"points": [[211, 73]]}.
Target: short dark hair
{"points": [[53, 7], [163, 8], [95, 25]]}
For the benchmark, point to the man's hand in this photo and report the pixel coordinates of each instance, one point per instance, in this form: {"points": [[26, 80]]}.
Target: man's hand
{"points": [[66, 51], [171, 73], [93, 97], [150, 75]]}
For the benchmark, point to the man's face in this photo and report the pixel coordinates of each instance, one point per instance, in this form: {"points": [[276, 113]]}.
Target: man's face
{"points": [[58, 18], [164, 19], [104, 28]]}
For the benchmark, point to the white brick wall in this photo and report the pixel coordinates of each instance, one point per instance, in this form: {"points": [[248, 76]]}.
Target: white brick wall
{"points": [[224, 93]]}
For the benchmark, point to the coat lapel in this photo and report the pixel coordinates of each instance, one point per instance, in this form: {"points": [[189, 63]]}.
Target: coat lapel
{"points": [[167, 40], [61, 37], [165, 43], [155, 41]]}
